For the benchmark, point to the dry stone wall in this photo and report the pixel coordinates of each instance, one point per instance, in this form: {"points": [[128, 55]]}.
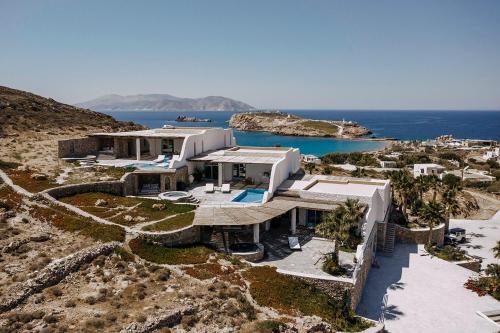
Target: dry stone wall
{"points": [[419, 236], [77, 147], [186, 236], [53, 274]]}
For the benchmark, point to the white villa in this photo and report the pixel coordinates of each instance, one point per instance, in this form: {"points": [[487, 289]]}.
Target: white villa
{"points": [[246, 196], [428, 169], [494, 153]]}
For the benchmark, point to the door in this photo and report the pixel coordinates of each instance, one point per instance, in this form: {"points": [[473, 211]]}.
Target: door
{"points": [[239, 170]]}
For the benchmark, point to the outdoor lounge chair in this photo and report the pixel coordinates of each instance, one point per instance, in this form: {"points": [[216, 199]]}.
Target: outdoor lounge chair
{"points": [[160, 159], [293, 243], [225, 188], [209, 188]]}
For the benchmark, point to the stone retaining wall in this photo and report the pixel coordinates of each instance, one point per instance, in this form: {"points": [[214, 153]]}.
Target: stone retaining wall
{"points": [[77, 147], [420, 235], [53, 274], [111, 187], [363, 268], [473, 264], [182, 237]]}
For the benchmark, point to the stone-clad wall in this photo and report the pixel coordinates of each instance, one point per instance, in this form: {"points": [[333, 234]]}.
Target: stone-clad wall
{"points": [[112, 187], [419, 236], [187, 236], [363, 268], [381, 232], [78, 147]]}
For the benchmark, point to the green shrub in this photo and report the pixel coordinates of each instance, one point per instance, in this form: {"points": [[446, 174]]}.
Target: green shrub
{"points": [[294, 296], [169, 255]]}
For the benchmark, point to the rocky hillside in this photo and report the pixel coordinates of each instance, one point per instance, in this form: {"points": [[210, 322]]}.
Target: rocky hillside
{"points": [[31, 125], [163, 102], [22, 112], [286, 124]]}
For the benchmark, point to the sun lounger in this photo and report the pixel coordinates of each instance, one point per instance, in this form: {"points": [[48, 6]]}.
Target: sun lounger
{"points": [[225, 188], [293, 243], [209, 188], [160, 159]]}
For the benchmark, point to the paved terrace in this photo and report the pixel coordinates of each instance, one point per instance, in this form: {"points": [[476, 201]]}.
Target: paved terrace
{"points": [[414, 292]]}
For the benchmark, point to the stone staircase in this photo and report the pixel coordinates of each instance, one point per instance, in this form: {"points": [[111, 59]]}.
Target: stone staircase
{"points": [[191, 200], [390, 238]]}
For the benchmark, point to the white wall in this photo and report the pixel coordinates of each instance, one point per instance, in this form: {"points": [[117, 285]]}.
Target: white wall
{"points": [[211, 139], [282, 169], [256, 172]]}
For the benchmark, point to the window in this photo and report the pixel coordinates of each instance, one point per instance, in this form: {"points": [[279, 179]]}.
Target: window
{"points": [[239, 170], [167, 146]]}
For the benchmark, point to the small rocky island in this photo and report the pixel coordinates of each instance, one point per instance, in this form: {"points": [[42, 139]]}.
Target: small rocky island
{"points": [[188, 119], [283, 123]]}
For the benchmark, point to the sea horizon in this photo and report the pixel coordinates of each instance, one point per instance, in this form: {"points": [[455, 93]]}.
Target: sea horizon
{"points": [[401, 125]]}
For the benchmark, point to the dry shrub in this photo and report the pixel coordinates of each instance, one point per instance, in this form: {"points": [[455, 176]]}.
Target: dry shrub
{"points": [[189, 321]]}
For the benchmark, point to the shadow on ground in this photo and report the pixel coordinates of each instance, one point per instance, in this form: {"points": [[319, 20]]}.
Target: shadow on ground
{"points": [[374, 303]]}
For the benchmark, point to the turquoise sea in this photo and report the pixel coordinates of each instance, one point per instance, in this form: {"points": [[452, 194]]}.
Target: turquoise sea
{"points": [[405, 125]]}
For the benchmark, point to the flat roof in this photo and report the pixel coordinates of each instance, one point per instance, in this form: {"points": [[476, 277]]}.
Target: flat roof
{"points": [[248, 155], [432, 165], [233, 216], [334, 185], [160, 132]]}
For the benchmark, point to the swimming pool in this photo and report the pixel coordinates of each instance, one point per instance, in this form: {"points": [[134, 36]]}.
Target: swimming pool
{"points": [[147, 166], [250, 195]]}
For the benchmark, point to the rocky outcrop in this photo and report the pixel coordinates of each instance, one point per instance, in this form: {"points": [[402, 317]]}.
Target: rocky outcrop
{"points": [[287, 124], [168, 319], [53, 274]]}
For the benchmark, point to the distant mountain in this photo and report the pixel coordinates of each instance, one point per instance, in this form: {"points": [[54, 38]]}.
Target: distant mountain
{"points": [[164, 102]]}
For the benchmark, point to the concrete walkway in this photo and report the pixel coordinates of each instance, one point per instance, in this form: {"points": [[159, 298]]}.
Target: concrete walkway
{"points": [[413, 292], [482, 236]]}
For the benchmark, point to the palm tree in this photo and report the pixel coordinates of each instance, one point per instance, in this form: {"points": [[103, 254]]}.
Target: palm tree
{"points": [[434, 183], [493, 270], [451, 205], [403, 184], [422, 185], [354, 211], [496, 250], [310, 167], [433, 214]]}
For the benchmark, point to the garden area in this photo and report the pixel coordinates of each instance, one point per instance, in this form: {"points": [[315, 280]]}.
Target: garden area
{"points": [[68, 221], [29, 179], [159, 254], [129, 211], [173, 223], [295, 297]]}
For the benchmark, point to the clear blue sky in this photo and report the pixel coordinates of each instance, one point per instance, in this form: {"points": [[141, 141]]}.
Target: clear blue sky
{"points": [[278, 54]]}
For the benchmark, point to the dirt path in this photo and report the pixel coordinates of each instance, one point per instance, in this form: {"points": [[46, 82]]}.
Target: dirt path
{"points": [[488, 206]]}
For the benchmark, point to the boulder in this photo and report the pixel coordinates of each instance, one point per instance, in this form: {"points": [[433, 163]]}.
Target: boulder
{"points": [[101, 203], [128, 218], [158, 206], [39, 176]]}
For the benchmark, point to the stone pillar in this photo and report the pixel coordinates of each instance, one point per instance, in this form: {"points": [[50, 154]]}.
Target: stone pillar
{"points": [[302, 216], [256, 233], [293, 221], [221, 173], [267, 225], [162, 183], [138, 148]]}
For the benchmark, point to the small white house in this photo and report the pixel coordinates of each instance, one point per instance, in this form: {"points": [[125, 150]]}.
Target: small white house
{"points": [[310, 159], [428, 169], [388, 164], [495, 153]]}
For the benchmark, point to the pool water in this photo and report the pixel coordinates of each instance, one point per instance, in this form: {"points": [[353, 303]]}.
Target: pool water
{"points": [[250, 195], [147, 166]]}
